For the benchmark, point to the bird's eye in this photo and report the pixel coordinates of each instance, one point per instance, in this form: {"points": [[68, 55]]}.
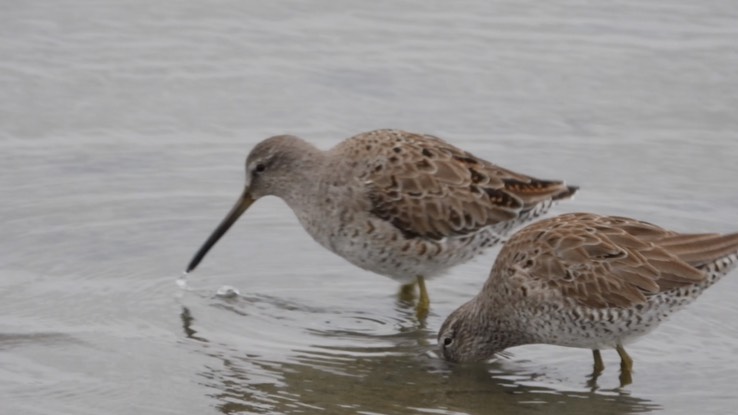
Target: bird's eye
{"points": [[259, 168], [447, 341]]}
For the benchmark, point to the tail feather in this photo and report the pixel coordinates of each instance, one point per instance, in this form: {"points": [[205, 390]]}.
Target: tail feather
{"points": [[705, 251], [533, 192], [534, 207], [566, 193], [684, 241]]}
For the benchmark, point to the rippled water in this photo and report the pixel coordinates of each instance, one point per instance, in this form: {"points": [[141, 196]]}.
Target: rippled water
{"points": [[123, 128]]}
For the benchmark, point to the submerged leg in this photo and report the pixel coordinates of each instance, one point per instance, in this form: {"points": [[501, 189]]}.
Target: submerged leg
{"points": [[626, 366], [424, 300], [599, 365], [407, 292]]}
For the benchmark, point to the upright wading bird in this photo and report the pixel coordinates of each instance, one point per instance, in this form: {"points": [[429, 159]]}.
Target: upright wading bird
{"points": [[404, 205]]}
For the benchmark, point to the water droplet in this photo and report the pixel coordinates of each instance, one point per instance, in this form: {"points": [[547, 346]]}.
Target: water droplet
{"points": [[182, 281], [227, 291]]}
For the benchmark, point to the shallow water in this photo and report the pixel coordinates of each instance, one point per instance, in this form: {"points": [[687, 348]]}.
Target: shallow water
{"points": [[123, 129]]}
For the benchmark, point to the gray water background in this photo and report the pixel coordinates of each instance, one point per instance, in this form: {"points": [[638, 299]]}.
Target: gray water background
{"points": [[123, 130]]}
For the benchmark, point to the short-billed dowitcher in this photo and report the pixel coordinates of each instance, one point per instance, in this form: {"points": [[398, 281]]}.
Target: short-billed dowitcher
{"points": [[584, 280], [407, 206]]}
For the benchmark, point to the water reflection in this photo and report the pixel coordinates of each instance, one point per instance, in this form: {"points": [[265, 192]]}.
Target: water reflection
{"points": [[13, 340], [187, 320], [398, 376]]}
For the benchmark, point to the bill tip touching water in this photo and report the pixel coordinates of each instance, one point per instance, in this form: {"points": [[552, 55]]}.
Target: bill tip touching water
{"points": [[182, 280]]}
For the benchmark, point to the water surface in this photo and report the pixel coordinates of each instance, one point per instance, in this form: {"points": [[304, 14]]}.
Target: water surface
{"points": [[123, 129]]}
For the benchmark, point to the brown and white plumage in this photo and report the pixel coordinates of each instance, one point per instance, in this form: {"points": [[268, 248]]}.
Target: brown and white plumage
{"points": [[585, 280], [400, 204], [605, 261], [428, 188]]}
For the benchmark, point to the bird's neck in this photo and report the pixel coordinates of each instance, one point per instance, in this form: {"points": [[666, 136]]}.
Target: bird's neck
{"points": [[504, 327], [302, 193]]}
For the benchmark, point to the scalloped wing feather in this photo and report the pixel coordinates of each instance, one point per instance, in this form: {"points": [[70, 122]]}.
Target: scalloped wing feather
{"points": [[602, 261], [428, 188]]}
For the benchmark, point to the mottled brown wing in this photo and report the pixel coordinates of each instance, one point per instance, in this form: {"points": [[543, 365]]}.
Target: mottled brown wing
{"points": [[602, 261], [428, 188]]}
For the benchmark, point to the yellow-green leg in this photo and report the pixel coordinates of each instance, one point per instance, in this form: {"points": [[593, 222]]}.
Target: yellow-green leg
{"points": [[626, 366], [423, 300], [407, 293], [599, 366]]}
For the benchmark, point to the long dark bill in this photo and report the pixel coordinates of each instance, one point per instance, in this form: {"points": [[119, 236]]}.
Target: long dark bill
{"points": [[242, 204]]}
